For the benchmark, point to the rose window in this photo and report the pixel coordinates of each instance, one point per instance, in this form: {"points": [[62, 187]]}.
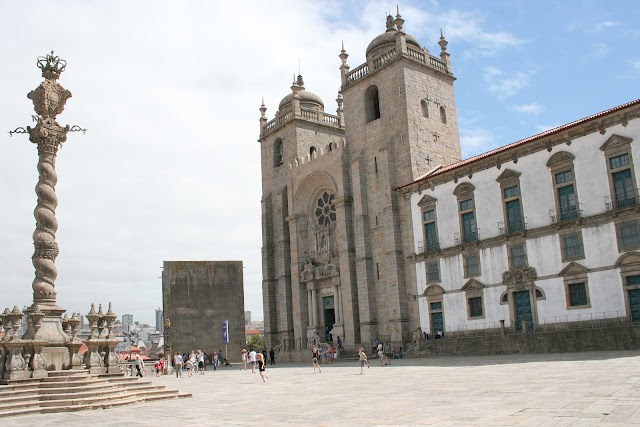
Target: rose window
{"points": [[326, 209]]}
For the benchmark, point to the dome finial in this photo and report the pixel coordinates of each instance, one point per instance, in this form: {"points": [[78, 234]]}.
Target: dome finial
{"points": [[390, 23], [263, 109], [399, 21], [443, 42], [300, 81]]}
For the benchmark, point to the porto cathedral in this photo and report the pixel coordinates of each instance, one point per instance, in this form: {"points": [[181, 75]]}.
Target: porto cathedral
{"points": [[370, 227]]}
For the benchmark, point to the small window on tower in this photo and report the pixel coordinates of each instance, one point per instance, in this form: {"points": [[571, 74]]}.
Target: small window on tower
{"points": [[278, 157], [312, 152], [443, 115], [425, 108], [372, 104]]}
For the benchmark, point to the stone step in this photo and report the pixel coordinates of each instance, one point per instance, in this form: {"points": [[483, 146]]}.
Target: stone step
{"points": [[105, 404], [69, 373], [78, 391]]}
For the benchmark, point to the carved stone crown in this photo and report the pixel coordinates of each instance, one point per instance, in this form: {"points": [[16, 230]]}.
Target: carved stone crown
{"points": [[52, 66]]}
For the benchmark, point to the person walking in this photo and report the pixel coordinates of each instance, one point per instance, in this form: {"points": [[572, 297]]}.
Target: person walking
{"points": [[262, 366], [201, 361], [244, 359], [272, 356], [252, 360], [314, 359], [139, 364], [177, 361], [362, 356], [339, 343], [264, 353]]}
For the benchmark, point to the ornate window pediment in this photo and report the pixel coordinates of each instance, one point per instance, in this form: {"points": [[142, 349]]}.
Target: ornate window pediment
{"points": [[433, 290], [508, 174], [465, 187], [472, 285], [427, 201], [573, 269], [560, 157], [616, 141], [630, 258]]}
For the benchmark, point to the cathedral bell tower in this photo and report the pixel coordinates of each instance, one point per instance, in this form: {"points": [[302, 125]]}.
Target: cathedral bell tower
{"points": [[400, 122]]}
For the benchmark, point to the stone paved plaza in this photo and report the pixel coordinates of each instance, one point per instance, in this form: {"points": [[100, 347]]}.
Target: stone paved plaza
{"points": [[524, 390]]}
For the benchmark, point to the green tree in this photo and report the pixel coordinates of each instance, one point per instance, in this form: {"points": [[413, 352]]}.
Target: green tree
{"points": [[255, 341]]}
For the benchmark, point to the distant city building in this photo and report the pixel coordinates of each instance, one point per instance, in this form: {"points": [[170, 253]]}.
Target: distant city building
{"points": [[127, 320], [198, 296], [159, 320], [247, 317]]}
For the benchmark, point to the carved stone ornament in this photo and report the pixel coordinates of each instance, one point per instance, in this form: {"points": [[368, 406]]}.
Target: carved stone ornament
{"points": [[49, 98], [520, 275]]}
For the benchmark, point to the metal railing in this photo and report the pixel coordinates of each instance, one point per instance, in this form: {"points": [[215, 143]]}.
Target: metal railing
{"points": [[429, 247], [511, 227], [628, 199], [550, 323], [565, 214], [471, 237], [584, 320]]}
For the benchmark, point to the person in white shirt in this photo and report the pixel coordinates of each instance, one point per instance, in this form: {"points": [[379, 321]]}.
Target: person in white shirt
{"points": [[178, 364], [252, 360]]}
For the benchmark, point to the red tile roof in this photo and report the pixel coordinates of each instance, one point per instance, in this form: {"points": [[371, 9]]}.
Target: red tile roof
{"points": [[499, 150]]}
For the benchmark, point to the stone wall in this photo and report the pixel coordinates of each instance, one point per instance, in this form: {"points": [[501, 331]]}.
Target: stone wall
{"points": [[197, 296], [623, 337]]}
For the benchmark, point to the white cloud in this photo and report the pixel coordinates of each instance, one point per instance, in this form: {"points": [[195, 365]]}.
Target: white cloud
{"points": [[533, 108], [635, 63], [604, 25], [503, 86], [475, 140]]}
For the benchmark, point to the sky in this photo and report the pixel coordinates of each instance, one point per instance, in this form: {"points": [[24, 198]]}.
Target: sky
{"points": [[169, 92]]}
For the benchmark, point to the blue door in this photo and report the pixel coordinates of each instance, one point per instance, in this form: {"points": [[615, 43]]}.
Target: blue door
{"points": [[634, 305], [436, 323], [522, 307]]}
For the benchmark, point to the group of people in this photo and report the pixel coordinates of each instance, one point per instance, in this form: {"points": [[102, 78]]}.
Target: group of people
{"points": [[195, 362], [254, 359]]}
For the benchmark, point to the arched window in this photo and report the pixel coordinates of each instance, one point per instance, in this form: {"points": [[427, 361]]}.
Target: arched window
{"points": [[443, 115], [278, 154], [312, 152], [372, 104], [425, 108]]}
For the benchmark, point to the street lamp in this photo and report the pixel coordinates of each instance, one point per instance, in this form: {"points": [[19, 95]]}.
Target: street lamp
{"points": [[130, 335], [167, 346]]}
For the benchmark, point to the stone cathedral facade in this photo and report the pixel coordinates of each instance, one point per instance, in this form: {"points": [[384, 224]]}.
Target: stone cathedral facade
{"points": [[336, 234]]}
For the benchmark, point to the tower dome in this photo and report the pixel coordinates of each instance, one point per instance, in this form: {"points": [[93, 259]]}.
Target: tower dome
{"points": [[307, 99], [387, 40]]}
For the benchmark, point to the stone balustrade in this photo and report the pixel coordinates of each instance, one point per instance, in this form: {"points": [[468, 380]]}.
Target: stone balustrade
{"points": [[22, 358], [282, 117], [413, 54]]}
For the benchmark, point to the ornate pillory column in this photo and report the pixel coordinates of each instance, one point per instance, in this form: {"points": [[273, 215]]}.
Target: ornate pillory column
{"points": [[48, 101]]}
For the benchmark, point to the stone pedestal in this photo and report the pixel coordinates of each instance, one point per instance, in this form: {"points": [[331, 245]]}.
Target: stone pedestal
{"points": [[74, 357], [93, 360], [47, 329], [37, 362], [15, 367], [111, 360]]}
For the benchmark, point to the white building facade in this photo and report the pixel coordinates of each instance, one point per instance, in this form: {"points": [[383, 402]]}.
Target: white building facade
{"points": [[542, 231]]}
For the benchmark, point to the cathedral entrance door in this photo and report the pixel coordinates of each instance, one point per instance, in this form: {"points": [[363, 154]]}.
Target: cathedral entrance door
{"points": [[329, 315], [522, 308]]}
